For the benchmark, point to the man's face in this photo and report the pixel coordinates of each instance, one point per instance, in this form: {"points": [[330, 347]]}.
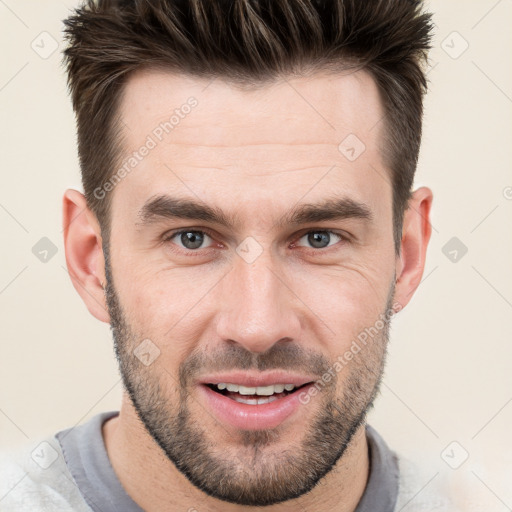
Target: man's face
{"points": [[263, 294]]}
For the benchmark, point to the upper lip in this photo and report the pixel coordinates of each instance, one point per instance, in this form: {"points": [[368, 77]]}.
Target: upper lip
{"points": [[255, 379]]}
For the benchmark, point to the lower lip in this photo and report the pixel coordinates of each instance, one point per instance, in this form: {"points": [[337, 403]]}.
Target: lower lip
{"points": [[252, 417]]}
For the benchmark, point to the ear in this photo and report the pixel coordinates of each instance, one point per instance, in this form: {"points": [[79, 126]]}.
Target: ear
{"points": [[415, 237], [84, 253]]}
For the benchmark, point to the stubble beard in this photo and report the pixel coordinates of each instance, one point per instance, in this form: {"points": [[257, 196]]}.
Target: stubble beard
{"points": [[255, 471]]}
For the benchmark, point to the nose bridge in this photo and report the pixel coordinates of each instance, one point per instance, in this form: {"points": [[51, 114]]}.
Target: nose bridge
{"points": [[256, 310]]}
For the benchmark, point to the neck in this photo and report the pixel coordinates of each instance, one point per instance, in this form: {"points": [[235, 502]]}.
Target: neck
{"points": [[154, 482]]}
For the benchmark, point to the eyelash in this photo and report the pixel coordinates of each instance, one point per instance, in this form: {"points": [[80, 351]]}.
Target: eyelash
{"points": [[191, 252]]}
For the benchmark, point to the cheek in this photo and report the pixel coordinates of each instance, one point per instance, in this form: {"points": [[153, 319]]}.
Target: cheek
{"points": [[350, 292], [345, 305], [167, 310]]}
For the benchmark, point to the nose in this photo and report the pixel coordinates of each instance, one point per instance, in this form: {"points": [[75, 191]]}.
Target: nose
{"points": [[257, 307]]}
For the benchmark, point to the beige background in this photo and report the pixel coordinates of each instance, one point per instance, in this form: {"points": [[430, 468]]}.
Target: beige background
{"points": [[448, 376]]}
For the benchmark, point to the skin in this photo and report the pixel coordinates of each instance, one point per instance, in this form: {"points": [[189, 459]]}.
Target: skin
{"points": [[257, 153]]}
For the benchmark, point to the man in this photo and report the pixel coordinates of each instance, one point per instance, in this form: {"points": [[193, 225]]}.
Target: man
{"points": [[248, 229]]}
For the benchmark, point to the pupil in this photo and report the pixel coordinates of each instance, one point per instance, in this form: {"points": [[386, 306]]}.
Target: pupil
{"points": [[191, 239], [317, 238]]}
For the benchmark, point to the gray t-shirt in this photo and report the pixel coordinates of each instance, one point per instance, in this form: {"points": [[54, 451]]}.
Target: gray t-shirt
{"points": [[84, 452], [71, 471]]}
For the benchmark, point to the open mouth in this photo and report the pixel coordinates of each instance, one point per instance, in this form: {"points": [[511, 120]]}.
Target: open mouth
{"points": [[254, 407], [255, 395]]}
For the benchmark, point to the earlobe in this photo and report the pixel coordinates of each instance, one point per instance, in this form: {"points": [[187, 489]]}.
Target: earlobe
{"points": [[84, 254], [415, 237]]}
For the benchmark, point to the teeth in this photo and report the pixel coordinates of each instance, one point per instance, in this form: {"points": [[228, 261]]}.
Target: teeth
{"points": [[246, 391], [254, 401], [265, 390], [260, 390]]}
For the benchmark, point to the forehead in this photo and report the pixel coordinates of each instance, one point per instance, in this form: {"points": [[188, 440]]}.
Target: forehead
{"points": [[208, 137], [331, 103]]}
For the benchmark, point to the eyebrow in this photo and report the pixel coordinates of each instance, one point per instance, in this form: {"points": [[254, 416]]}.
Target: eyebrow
{"points": [[169, 207]]}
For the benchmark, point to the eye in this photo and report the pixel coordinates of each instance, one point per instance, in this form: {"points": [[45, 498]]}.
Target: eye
{"points": [[196, 239], [320, 239], [189, 239]]}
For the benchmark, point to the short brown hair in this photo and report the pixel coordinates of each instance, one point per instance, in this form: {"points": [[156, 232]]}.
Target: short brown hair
{"points": [[248, 42]]}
